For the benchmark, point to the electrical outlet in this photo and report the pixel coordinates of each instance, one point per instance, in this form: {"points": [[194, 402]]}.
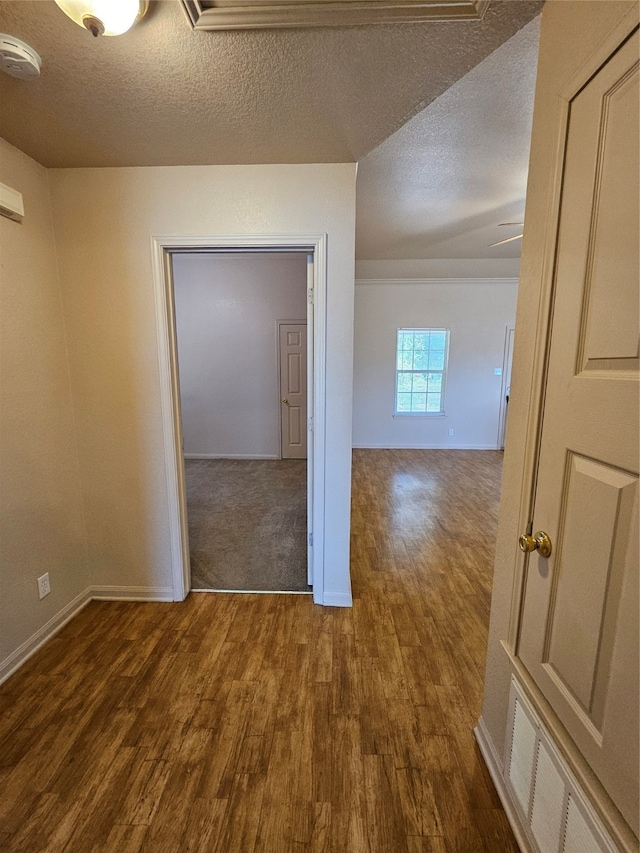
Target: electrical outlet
{"points": [[450, 432], [44, 587]]}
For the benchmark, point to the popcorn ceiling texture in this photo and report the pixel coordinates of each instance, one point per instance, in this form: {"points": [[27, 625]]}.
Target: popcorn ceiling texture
{"points": [[165, 95], [439, 186]]}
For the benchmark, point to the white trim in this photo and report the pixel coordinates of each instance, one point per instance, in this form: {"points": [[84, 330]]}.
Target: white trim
{"points": [[445, 281], [510, 331], [57, 622], [425, 447], [311, 273], [496, 771], [171, 424], [338, 599], [132, 593], [161, 247], [30, 646], [230, 456]]}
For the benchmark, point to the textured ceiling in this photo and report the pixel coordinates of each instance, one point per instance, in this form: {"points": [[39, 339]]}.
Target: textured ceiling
{"points": [[164, 95], [440, 185]]}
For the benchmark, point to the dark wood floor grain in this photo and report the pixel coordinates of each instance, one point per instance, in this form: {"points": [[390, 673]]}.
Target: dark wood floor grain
{"points": [[264, 724]]}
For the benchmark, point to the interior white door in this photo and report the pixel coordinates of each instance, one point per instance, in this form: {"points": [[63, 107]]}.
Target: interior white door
{"points": [[579, 625], [507, 364], [293, 390]]}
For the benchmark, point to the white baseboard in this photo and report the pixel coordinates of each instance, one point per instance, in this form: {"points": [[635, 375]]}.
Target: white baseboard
{"points": [[22, 654], [425, 447], [337, 599], [231, 456], [101, 593], [132, 593], [494, 766]]}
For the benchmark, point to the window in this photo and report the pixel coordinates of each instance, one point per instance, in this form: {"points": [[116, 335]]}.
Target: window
{"points": [[421, 364]]}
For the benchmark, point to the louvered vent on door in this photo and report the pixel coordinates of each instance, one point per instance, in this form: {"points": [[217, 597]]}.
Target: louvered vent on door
{"points": [[552, 807], [547, 808], [522, 754], [579, 836]]}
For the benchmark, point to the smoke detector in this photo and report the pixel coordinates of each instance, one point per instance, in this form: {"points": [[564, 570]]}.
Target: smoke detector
{"points": [[18, 59]]}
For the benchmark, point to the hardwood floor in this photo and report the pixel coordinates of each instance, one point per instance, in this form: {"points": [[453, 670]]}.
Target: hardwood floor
{"points": [[264, 724]]}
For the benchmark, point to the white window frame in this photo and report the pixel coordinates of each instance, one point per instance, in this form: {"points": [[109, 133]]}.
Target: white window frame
{"points": [[444, 371]]}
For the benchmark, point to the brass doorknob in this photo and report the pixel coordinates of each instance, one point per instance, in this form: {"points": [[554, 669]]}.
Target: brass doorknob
{"points": [[285, 401], [539, 542]]}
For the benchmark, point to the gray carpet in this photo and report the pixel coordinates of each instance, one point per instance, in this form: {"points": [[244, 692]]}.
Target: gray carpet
{"points": [[247, 524]]}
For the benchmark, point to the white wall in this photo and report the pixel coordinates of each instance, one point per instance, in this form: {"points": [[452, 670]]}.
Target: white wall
{"points": [[226, 310], [41, 515], [477, 311], [104, 221]]}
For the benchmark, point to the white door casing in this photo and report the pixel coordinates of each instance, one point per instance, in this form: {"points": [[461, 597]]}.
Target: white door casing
{"points": [[578, 624], [292, 350], [505, 392], [162, 249]]}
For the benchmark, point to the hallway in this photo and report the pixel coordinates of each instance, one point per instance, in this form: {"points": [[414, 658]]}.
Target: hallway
{"points": [[246, 723]]}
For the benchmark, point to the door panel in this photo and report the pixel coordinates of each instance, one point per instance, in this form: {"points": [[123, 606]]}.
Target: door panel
{"points": [[293, 390], [579, 626]]}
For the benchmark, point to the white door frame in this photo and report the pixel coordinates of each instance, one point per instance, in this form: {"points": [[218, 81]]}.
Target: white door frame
{"points": [[507, 361], [162, 249], [309, 379]]}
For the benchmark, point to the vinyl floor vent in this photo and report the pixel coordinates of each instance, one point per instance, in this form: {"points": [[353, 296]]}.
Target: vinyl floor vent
{"points": [[553, 808]]}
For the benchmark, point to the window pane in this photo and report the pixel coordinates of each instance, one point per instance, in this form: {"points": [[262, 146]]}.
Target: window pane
{"points": [[433, 402], [418, 402], [420, 360], [438, 340], [404, 382], [407, 340], [421, 341], [407, 360], [435, 382], [404, 402], [436, 360], [420, 381]]}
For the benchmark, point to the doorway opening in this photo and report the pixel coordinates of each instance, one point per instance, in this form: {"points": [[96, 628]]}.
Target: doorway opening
{"points": [[297, 424]]}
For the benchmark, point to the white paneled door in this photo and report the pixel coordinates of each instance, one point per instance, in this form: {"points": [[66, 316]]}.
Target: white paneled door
{"points": [[293, 390], [579, 626]]}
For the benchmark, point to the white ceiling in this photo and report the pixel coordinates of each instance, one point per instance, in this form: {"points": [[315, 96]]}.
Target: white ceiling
{"points": [[163, 94], [439, 186]]}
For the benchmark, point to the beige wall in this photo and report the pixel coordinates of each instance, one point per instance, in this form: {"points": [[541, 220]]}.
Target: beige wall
{"points": [[41, 516], [104, 221]]}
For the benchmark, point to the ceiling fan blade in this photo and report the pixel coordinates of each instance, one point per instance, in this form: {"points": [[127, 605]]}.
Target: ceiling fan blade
{"points": [[508, 240], [519, 224]]}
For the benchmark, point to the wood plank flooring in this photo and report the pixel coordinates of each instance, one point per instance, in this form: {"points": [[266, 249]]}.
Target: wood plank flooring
{"points": [[264, 724]]}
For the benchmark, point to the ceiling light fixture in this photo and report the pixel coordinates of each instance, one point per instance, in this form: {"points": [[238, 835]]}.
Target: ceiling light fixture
{"points": [[104, 17]]}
